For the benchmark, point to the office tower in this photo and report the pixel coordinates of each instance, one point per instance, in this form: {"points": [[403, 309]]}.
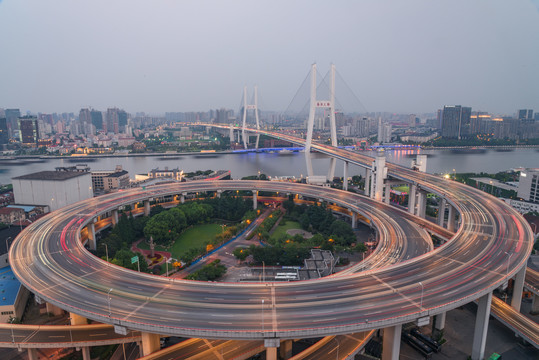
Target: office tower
{"points": [[97, 119], [29, 133], [525, 114], [12, 116], [439, 116], [85, 120], [122, 121], [4, 137], [112, 121], [456, 121]]}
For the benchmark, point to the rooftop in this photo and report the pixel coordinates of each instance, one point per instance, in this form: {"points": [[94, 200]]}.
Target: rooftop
{"points": [[52, 175], [9, 286], [9, 210], [118, 173]]}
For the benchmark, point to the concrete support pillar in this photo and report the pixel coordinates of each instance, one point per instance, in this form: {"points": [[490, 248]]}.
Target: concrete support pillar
{"points": [[286, 349], [345, 176], [367, 182], [439, 324], [32, 354], [271, 346], [411, 199], [518, 287], [387, 193], [255, 199], [354, 220], [114, 217], [391, 343], [441, 212], [218, 193], [451, 218], [55, 310], [481, 327], [86, 353], [535, 305], [150, 343], [77, 319], [146, 207], [91, 235], [380, 172], [331, 170], [182, 197], [421, 204]]}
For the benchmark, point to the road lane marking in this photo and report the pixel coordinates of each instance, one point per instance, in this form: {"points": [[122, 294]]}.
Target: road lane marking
{"points": [[395, 291]]}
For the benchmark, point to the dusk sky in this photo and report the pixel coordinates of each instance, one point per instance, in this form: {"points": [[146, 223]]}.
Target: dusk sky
{"points": [[156, 56]]}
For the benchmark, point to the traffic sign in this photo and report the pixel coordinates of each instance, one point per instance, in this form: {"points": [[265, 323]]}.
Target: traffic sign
{"points": [[134, 259]]}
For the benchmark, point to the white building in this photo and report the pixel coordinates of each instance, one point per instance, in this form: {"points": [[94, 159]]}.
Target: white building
{"points": [[522, 207], [528, 185], [55, 189]]}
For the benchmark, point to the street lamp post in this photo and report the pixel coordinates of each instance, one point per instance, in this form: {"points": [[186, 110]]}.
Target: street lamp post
{"points": [[109, 300], [12, 334], [263, 272], [70, 332], [338, 345], [421, 301]]}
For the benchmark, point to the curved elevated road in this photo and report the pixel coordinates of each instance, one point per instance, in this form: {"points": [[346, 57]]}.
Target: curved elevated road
{"points": [[49, 259]]}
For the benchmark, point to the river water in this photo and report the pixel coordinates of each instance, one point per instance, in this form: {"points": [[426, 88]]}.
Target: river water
{"points": [[275, 164]]}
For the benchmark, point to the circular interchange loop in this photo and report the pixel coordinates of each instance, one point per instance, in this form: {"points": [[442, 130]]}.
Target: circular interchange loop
{"points": [[49, 259]]}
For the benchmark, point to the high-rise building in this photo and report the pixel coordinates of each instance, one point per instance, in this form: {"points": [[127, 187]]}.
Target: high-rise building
{"points": [[122, 121], [4, 136], [528, 185], [223, 115], [12, 116], [112, 121], [85, 120], [97, 119], [29, 132], [456, 121], [524, 114], [384, 131]]}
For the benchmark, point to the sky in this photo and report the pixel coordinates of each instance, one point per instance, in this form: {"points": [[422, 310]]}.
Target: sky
{"points": [[161, 56]]}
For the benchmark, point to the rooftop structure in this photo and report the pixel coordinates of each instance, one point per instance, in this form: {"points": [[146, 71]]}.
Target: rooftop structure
{"points": [[54, 189]]}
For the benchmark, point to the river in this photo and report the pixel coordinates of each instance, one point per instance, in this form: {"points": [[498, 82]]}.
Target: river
{"points": [[275, 164]]}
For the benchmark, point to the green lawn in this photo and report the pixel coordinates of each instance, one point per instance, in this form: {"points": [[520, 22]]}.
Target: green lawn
{"points": [[194, 237], [401, 188], [281, 229]]}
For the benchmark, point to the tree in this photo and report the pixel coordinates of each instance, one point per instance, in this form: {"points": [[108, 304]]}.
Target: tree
{"points": [[360, 247], [241, 253], [343, 231], [166, 226], [123, 258]]}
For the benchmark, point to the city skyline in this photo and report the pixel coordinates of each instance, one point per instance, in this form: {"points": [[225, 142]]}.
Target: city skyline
{"points": [[192, 57]]}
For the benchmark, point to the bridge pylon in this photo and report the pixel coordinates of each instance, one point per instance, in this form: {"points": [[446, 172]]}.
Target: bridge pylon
{"points": [[325, 104], [244, 116]]}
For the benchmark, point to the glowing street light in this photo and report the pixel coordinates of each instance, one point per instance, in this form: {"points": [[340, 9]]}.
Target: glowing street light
{"points": [[108, 295]]}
